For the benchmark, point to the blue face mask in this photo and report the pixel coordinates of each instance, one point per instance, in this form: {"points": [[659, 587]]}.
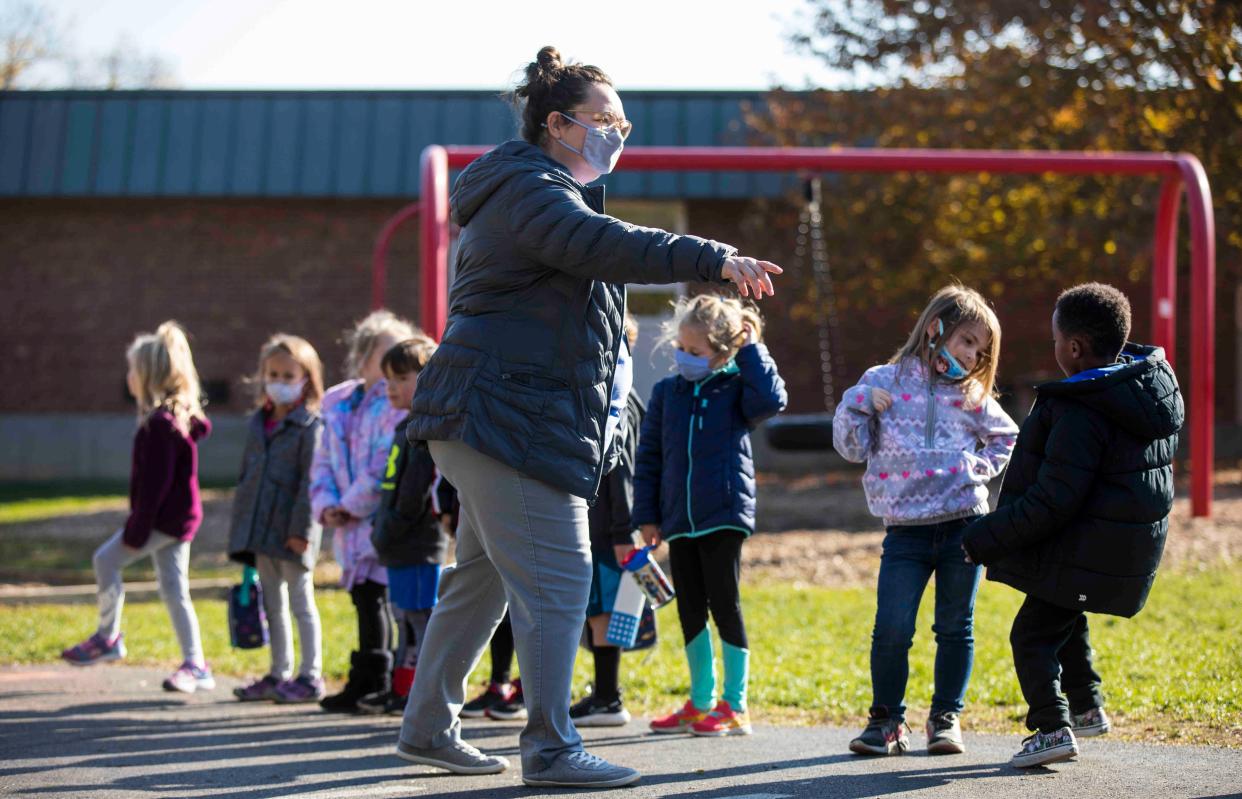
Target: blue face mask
{"points": [[692, 367], [955, 370]]}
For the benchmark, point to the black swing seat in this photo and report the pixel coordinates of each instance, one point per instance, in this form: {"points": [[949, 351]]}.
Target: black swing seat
{"points": [[800, 432]]}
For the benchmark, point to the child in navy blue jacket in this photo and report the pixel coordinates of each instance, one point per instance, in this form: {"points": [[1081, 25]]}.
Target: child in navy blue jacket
{"points": [[694, 486]]}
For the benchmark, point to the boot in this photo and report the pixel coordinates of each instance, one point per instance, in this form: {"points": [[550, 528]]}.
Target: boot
{"points": [[376, 666], [356, 687]]}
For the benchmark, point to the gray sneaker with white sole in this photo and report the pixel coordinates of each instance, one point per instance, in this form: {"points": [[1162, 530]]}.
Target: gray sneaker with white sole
{"points": [[944, 734], [579, 769], [459, 758]]}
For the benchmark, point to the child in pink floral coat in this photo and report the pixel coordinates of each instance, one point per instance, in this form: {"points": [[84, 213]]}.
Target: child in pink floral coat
{"points": [[345, 494]]}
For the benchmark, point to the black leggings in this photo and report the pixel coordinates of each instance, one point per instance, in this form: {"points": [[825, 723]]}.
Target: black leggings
{"points": [[706, 571], [502, 651], [374, 624]]}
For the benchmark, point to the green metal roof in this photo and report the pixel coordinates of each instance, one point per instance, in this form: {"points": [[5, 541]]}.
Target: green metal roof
{"points": [[315, 143]]}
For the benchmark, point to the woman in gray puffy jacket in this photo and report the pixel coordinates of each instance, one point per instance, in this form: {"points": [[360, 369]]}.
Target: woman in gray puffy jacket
{"points": [[514, 404]]}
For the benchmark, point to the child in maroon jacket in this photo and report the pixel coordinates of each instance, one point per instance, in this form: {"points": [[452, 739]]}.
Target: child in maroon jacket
{"points": [[164, 505]]}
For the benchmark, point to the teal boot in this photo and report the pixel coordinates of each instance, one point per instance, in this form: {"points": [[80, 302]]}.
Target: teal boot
{"points": [[736, 675], [702, 663]]}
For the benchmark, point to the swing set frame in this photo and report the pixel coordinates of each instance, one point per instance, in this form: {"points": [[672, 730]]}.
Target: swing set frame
{"points": [[1180, 173]]}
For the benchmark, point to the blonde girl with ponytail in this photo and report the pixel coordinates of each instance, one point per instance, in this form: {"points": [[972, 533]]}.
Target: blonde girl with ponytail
{"points": [[165, 508]]}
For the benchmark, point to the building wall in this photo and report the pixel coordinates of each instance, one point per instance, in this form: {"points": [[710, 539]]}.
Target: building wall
{"points": [[81, 277]]}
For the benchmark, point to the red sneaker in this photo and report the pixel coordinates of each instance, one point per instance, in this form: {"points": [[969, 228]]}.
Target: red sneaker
{"points": [[678, 721], [723, 720]]}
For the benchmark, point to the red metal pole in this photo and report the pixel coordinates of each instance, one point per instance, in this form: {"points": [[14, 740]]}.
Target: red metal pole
{"points": [[379, 256], [1164, 269], [849, 159], [864, 159], [434, 290], [1202, 333]]}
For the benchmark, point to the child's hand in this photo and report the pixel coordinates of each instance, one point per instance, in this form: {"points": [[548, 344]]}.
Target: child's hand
{"points": [[651, 535], [296, 545], [881, 400], [748, 331], [336, 516], [621, 551]]}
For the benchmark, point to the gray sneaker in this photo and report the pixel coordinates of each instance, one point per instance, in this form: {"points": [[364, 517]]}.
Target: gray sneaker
{"points": [[1093, 722], [944, 734], [459, 758], [579, 769]]}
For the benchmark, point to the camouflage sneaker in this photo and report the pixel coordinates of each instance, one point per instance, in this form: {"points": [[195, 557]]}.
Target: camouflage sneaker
{"points": [[1092, 723], [884, 736], [1043, 748]]}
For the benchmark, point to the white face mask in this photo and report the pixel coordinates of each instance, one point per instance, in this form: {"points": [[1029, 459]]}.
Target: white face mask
{"points": [[600, 149], [284, 393]]}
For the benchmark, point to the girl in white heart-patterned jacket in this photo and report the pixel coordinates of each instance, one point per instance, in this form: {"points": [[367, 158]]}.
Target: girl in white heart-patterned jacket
{"points": [[933, 436]]}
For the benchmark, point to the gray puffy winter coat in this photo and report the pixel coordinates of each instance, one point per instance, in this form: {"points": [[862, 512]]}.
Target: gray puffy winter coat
{"points": [[272, 501], [524, 372]]}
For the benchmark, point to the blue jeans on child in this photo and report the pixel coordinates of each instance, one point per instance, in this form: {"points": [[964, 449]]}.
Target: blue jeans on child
{"points": [[911, 555]]}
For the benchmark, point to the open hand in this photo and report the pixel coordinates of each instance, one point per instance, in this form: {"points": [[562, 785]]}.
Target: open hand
{"points": [[752, 276], [881, 400]]}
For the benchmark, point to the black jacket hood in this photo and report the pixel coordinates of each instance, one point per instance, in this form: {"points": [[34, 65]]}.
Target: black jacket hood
{"points": [[1139, 392], [481, 179]]}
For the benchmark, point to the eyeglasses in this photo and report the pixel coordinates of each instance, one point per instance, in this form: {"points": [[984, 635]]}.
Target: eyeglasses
{"points": [[610, 121]]}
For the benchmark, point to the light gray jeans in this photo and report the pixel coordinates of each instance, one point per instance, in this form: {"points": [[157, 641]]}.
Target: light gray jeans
{"points": [[519, 541], [285, 583], [172, 568]]}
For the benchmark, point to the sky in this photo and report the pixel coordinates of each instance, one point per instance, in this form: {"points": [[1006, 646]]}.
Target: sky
{"points": [[356, 44]]}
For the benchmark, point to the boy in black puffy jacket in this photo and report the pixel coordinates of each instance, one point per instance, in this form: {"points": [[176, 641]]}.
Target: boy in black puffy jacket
{"points": [[412, 526], [1083, 512]]}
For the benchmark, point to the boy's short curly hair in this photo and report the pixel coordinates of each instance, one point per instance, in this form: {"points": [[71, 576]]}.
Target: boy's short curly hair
{"points": [[1098, 313]]}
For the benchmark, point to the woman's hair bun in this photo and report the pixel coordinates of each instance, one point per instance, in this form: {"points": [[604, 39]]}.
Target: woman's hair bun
{"points": [[551, 85], [549, 59]]}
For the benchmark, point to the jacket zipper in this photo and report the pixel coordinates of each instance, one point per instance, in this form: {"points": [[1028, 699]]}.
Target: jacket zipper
{"points": [[694, 411], [599, 469], [931, 413]]}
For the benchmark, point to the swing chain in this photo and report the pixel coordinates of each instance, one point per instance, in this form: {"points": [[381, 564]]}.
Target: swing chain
{"points": [[811, 228]]}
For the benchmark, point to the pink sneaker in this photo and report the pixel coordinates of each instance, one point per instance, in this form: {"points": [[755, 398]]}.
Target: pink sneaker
{"points": [[95, 650], [189, 678]]}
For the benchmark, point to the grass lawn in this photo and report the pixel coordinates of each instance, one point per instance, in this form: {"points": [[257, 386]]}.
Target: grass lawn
{"points": [[32, 501], [1174, 673]]}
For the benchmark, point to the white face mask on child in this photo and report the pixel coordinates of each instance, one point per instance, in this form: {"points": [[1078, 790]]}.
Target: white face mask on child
{"points": [[284, 393]]}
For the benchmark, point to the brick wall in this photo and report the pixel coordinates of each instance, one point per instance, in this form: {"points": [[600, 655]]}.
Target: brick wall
{"points": [[80, 278]]}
